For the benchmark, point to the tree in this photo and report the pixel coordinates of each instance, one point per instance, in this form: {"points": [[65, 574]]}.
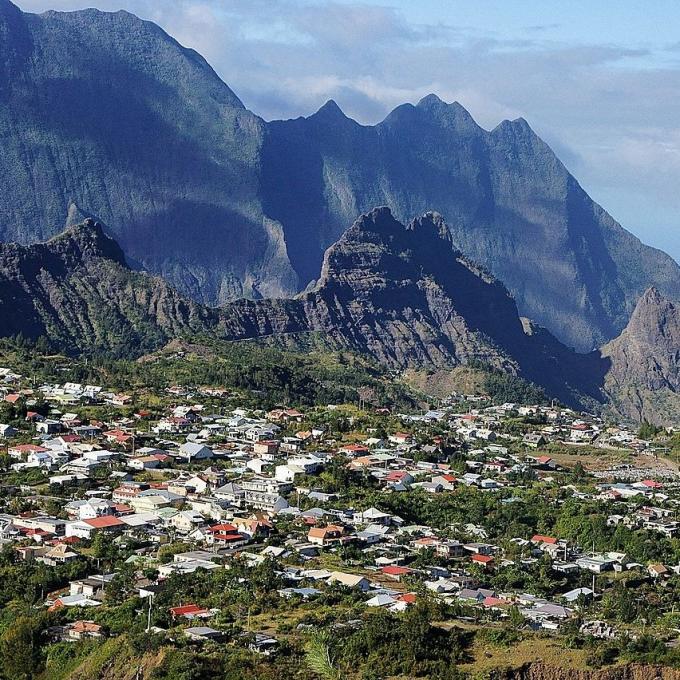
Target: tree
{"points": [[20, 649], [648, 430], [318, 656]]}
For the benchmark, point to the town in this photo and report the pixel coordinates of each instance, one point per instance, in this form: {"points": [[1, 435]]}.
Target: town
{"points": [[187, 517]]}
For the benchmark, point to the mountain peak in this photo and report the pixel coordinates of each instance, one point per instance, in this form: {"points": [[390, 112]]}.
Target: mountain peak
{"points": [[331, 110], [652, 296], [518, 127], [430, 100], [379, 220], [432, 223], [652, 314], [454, 113], [89, 240]]}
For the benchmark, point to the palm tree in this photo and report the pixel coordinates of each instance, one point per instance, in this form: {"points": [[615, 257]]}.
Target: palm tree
{"points": [[318, 656]]}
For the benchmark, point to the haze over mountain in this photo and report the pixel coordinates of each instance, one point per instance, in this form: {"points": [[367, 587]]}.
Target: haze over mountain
{"points": [[107, 115]]}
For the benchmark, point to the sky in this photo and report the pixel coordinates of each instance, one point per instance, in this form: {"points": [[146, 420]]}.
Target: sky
{"points": [[598, 80]]}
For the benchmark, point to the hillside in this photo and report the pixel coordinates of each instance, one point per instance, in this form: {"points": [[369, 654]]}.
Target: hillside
{"points": [[403, 295]]}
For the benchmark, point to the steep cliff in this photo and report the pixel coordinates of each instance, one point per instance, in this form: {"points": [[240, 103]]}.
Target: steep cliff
{"points": [[107, 113], [644, 379], [402, 294]]}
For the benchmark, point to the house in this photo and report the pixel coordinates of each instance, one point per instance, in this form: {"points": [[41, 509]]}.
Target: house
{"points": [[545, 463], [401, 438], [22, 451], [146, 462], [189, 611], [325, 536], [577, 593], [48, 426], [266, 449], [381, 600], [58, 554], [349, 580], [534, 440], [89, 527], [539, 539], [186, 521], [191, 452], [595, 564], [395, 572], [485, 561], [285, 415], [261, 643], [657, 570], [225, 534], [7, 431], [230, 492], [354, 450], [203, 633], [78, 630], [90, 587]]}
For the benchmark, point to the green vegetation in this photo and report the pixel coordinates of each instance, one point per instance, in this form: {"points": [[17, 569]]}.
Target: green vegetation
{"points": [[504, 387]]}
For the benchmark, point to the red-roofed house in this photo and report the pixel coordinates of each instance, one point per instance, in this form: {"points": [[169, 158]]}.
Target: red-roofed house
{"points": [[354, 449], [395, 572], [87, 528], [189, 611], [485, 561], [538, 538], [225, 534]]}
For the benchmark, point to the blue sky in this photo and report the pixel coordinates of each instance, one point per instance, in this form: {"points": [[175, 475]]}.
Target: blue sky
{"points": [[599, 81]]}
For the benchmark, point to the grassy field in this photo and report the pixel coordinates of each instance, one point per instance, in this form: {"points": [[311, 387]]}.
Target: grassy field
{"points": [[487, 656]]}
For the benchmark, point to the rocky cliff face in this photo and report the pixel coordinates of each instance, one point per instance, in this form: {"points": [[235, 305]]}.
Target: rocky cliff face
{"points": [[106, 114], [77, 290], [510, 204], [644, 379], [401, 294]]}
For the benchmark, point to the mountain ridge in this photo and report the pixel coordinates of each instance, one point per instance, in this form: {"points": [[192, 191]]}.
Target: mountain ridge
{"points": [[110, 113], [402, 294]]}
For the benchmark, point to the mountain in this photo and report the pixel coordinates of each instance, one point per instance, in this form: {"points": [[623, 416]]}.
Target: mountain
{"points": [[403, 295], [104, 114], [511, 205], [643, 382]]}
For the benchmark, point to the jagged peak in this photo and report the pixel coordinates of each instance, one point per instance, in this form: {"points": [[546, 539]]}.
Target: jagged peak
{"points": [[330, 110], [652, 296], [434, 223], [379, 216], [517, 126], [651, 303], [653, 313], [89, 239], [76, 215], [453, 111]]}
